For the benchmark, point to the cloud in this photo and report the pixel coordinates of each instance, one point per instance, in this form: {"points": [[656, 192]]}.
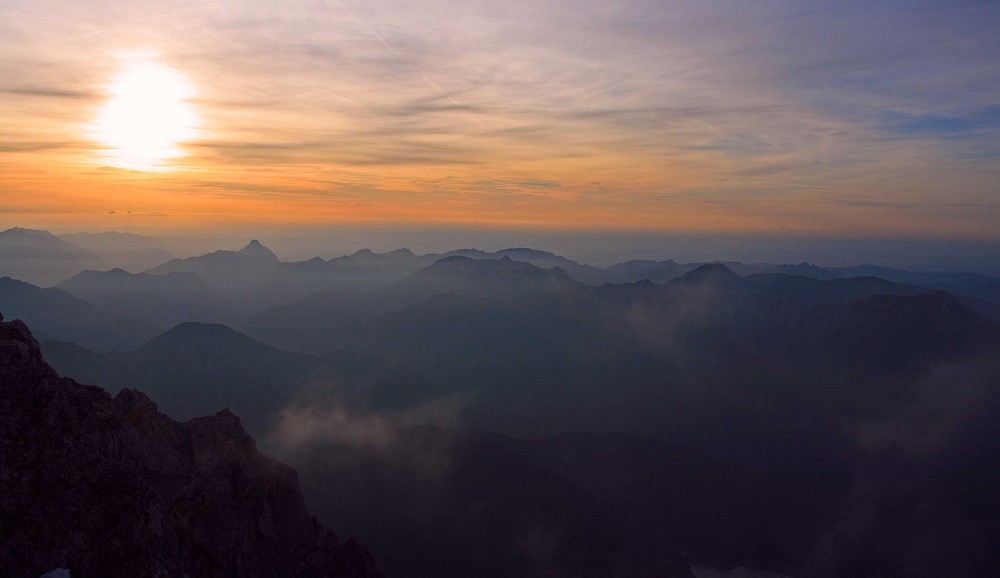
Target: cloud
{"points": [[298, 426], [905, 478], [314, 422], [27, 147], [946, 401], [648, 97], [45, 92], [115, 212]]}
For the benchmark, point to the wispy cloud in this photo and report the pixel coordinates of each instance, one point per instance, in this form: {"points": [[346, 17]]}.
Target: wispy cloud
{"points": [[46, 92], [743, 103]]}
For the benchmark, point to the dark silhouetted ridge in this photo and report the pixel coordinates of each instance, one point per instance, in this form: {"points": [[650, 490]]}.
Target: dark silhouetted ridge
{"points": [[110, 487]]}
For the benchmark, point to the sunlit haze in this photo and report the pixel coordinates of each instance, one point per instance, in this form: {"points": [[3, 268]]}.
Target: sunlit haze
{"points": [[147, 115]]}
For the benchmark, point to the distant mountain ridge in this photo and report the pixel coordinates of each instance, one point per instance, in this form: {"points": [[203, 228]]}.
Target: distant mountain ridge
{"points": [[236, 287], [494, 278], [31, 243], [57, 314], [41, 258], [164, 300], [125, 250], [255, 267]]}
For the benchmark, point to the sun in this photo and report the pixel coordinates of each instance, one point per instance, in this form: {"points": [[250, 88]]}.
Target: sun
{"points": [[147, 116]]}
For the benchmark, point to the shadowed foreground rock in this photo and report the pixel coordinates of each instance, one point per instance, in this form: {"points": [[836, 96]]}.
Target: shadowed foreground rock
{"points": [[108, 486]]}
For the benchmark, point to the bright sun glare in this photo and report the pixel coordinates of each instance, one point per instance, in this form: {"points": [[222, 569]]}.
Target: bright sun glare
{"points": [[147, 116]]}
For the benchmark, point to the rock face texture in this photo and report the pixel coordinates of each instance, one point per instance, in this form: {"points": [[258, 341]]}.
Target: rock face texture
{"points": [[108, 486]]}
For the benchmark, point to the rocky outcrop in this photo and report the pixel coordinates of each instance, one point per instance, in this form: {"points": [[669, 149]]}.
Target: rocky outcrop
{"points": [[109, 486]]}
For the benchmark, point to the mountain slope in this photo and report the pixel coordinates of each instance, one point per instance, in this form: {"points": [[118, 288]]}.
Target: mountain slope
{"points": [[502, 278], [42, 258], [126, 250], [110, 487], [226, 269], [162, 300], [196, 368], [339, 318], [58, 315]]}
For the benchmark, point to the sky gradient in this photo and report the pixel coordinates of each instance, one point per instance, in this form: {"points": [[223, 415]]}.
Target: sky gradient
{"points": [[839, 119]]}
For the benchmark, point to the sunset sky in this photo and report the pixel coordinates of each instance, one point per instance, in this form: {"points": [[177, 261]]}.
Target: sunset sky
{"points": [[844, 119]]}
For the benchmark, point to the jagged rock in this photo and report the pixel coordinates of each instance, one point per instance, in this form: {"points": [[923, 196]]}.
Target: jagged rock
{"points": [[108, 486]]}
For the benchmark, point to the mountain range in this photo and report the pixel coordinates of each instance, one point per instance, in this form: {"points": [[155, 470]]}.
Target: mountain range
{"points": [[233, 287], [514, 413], [719, 388]]}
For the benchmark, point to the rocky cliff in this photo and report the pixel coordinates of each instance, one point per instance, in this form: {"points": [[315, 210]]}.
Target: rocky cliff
{"points": [[109, 486]]}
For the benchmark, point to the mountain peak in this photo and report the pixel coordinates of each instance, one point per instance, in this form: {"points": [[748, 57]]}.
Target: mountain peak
{"points": [[189, 330], [22, 232], [369, 256], [255, 249], [715, 273], [526, 253], [254, 246], [404, 252]]}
